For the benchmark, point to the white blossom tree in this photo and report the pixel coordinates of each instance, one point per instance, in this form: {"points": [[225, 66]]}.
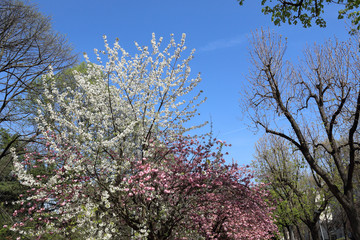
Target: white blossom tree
{"points": [[127, 99], [111, 114]]}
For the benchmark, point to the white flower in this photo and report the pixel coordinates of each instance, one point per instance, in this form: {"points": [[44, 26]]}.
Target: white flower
{"points": [[112, 111]]}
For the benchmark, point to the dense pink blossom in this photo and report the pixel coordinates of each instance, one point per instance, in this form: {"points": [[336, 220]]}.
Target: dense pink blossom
{"points": [[180, 189]]}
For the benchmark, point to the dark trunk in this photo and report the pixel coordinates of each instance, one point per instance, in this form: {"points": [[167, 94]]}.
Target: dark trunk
{"points": [[353, 216], [314, 231], [299, 232], [345, 232]]}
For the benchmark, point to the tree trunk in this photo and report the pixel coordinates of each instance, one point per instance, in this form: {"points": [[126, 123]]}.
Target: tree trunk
{"points": [[354, 221], [314, 231], [299, 232], [345, 232], [285, 233], [291, 233]]}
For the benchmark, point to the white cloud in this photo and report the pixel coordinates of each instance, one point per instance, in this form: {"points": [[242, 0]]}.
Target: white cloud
{"points": [[223, 43], [234, 131]]}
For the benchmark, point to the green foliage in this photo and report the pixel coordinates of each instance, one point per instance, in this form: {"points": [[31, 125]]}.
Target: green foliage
{"points": [[10, 188], [307, 12], [5, 140], [9, 192], [299, 193]]}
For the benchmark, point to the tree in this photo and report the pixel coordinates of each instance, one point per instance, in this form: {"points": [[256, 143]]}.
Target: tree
{"points": [[28, 47], [127, 101], [10, 188], [180, 190], [300, 194], [305, 11], [115, 109], [315, 107]]}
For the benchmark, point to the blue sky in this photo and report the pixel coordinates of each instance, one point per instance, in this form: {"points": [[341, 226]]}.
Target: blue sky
{"points": [[217, 29]]}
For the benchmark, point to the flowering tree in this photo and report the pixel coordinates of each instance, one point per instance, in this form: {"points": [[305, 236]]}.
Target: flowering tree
{"points": [[180, 190], [114, 166], [124, 102]]}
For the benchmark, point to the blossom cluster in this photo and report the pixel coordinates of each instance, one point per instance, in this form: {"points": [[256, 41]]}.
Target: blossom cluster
{"points": [[116, 165], [181, 189]]}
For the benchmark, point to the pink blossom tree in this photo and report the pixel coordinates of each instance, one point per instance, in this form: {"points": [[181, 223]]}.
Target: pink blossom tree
{"points": [[180, 190]]}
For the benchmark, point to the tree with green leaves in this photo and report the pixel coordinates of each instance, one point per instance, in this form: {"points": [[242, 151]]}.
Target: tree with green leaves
{"points": [[10, 187], [301, 195], [307, 12]]}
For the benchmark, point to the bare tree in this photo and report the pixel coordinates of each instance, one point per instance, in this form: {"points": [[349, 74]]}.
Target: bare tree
{"points": [[28, 47], [315, 106]]}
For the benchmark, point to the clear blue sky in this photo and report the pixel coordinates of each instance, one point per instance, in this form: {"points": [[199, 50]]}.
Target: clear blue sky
{"points": [[217, 29]]}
